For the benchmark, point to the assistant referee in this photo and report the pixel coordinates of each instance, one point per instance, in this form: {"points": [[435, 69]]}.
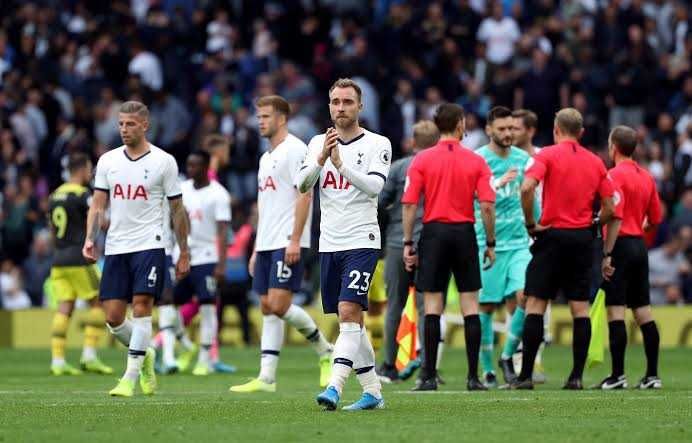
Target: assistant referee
{"points": [[450, 176], [573, 178]]}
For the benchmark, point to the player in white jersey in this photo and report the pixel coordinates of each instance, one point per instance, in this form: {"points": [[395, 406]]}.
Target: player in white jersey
{"points": [[350, 165], [135, 179], [208, 206], [171, 327], [524, 128], [283, 229]]}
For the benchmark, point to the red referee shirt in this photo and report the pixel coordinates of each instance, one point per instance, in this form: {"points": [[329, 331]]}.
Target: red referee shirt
{"points": [[636, 190], [449, 176], [572, 178]]}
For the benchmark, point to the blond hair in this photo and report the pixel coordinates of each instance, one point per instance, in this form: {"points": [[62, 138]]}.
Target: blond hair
{"points": [[425, 134], [570, 121], [277, 102], [135, 107]]}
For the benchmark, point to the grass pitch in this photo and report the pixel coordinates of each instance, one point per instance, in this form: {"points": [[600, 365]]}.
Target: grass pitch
{"points": [[35, 406]]}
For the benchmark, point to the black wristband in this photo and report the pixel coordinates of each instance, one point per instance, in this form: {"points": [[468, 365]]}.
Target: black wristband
{"points": [[408, 243], [608, 254], [490, 244], [530, 226]]}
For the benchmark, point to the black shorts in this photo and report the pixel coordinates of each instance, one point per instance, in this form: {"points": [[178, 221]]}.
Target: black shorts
{"points": [[562, 260], [629, 285], [445, 247]]}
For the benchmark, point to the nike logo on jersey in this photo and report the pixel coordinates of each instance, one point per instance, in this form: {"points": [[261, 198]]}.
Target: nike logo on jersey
{"points": [[361, 293], [330, 180], [129, 192]]}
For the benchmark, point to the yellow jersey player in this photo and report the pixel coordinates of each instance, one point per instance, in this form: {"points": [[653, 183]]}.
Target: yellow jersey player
{"points": [[71, 276]]}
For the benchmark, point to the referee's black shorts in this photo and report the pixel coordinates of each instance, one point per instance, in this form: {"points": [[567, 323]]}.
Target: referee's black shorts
{"points": [[445, 248], [562, 260], [629, 285]]}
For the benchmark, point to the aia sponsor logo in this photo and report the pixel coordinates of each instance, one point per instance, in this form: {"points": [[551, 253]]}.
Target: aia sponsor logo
{"points": [[330, 181], [196, 214], [267, 185], [129, 192]]}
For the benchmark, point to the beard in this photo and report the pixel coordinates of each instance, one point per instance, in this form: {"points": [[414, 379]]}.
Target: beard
{"points": [[504, 143], [344, 122]]}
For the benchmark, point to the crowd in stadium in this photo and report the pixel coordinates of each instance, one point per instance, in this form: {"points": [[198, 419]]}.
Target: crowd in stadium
{"points": [[67, 65]]}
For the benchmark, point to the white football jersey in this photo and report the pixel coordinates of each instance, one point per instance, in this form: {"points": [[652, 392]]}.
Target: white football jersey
{"points": [[205, 206], [277, 193], [349, 215], [137, 191]]}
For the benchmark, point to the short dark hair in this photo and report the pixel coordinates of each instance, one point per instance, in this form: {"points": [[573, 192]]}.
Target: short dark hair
{"points": [[77, 161], [498, 112], [529, 118], [447, 117], [347, 83], [277, 102], [625, 140], [206, 158]]}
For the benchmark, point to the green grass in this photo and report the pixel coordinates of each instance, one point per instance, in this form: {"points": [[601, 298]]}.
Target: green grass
{"points": [[37, 407]]}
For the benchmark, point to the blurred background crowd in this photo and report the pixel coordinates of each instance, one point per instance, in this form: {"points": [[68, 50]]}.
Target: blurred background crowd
{"points": [[66, 65]]}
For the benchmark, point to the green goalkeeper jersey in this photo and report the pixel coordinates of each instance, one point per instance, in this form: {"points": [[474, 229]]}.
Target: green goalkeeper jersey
{"points": [[510, 230]]}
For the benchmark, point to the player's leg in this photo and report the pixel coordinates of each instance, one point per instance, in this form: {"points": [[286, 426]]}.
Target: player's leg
{"points": [[204, 286], [377, 303], [282, 284], [87, 279], [432, 278], [147, 269], [516, 310], [494, 281], [168, 318], [273, 328], [487, 343], [63, 288], [467, 274], [538, 370], [359, 267], [396, 287], [651, 340]]}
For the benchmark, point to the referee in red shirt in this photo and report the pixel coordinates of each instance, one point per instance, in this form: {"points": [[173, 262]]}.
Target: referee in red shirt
{"points": [[627, 277], [573, 178], [450, 176]]}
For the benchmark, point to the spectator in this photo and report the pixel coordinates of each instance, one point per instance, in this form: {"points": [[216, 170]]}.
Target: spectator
{"points": [[242, 179], [500, 34], [146, 65], [36, 268], [11, 293], [667, 265]]}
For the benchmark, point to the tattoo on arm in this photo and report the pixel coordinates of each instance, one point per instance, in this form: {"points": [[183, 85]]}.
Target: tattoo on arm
{"points": [[95, 214], [181, 223]]}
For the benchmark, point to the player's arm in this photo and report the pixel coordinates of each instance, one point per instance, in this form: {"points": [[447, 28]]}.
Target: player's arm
{"points": [[413, 186], [312, 167], [373, 181], [302, 210], [222, 227], [181, 229], [223, 222], [95, 217], [535, 172], [486, 199]]}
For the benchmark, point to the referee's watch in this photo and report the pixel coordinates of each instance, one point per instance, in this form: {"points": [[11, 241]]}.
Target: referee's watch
{"points": [[607, 254], [490, 243], [408, 242]]}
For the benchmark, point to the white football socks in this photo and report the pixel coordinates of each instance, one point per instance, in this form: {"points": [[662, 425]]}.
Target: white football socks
{"points": [[272, 340], [301, 320], [365, 366], [139, 342], [345, 353], [122, 332], [168, 317], [208, 328]]}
